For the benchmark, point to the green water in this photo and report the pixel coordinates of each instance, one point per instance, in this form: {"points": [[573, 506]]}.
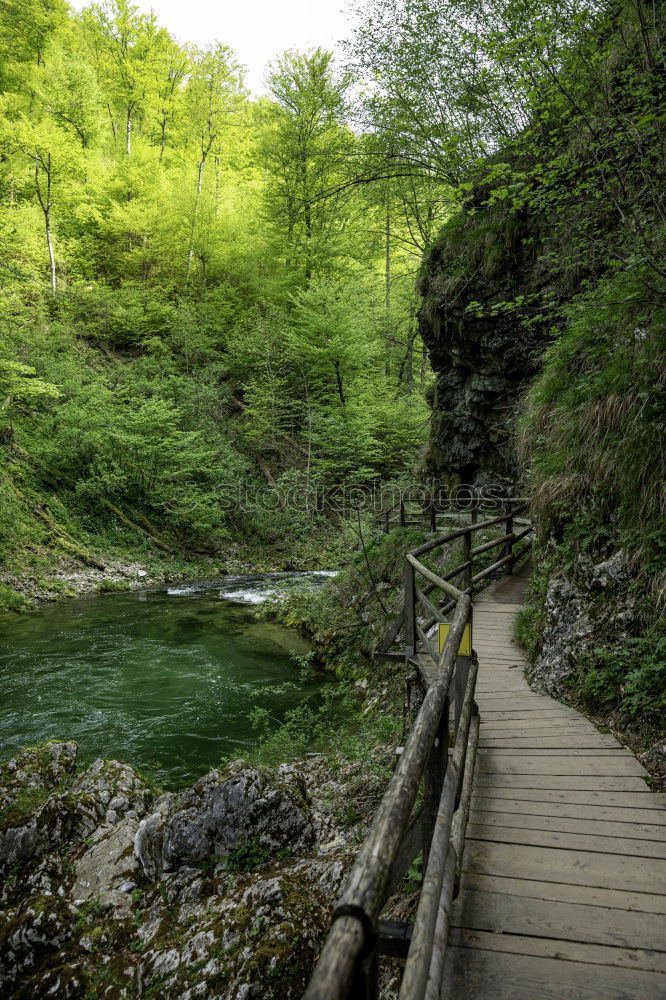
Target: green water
{"points": [[164, 680]]}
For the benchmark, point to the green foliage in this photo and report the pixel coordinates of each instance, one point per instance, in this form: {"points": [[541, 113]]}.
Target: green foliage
{"points": [[594, 423], [191, 307], [630, 678], [246, 857], [18, 384]]}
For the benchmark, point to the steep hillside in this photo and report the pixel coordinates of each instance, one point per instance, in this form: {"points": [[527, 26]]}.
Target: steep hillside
{"points": [[544, 316]]}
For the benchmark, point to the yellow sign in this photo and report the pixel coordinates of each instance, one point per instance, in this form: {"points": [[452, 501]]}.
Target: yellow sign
{"points": [[465, 648]]}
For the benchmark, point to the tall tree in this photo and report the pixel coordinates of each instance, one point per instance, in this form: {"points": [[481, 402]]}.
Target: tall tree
{"points": [[125, 44], [306, 151], [214, 101]]}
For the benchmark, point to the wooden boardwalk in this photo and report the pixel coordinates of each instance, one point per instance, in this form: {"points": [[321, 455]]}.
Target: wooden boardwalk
{"points": [[564, 886]]}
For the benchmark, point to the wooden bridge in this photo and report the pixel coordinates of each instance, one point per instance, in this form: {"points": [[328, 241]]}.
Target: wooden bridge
{"points": [[544, 870]]}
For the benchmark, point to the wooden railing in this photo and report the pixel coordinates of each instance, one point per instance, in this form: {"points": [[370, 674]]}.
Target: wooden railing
{"points": [[439, 753], [434, 509]]}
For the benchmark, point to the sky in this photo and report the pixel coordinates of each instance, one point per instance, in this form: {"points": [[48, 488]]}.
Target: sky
{"points": [[257, 30]]}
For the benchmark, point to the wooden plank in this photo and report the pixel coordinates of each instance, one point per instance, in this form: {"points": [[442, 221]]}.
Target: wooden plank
{"points": [[571, 841], [494, 705], [523, 702], [568, 743], [547, 918], [570, 752], [478, 973], [508, 726], [568, 782], [548, 816], [619, 765], [636, 816], [580, 867], [493, 715], [525, 888], [535, 730], [568, 951], [641, 799]]}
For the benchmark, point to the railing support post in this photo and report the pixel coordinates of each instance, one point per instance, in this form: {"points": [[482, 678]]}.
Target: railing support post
{"points": [[410, 611], [433, 780], [508, 548], [366, 981], [402, 513], [467, 557]]}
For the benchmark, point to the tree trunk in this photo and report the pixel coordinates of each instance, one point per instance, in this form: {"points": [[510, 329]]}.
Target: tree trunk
{"points": [[128, 131], [409, 364], [163, 139], [113, 124], [195, 212], [387, 289], [49, 243], [338, 377], [45, 203]]}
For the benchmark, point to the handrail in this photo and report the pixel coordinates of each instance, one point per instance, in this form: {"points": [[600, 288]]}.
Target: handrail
{"points": [[354, 923], [512, 508], [431, 510], [348, 964]]}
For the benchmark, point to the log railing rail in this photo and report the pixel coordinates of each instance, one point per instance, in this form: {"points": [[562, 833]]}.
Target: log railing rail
{"points": [[434, 509], [440, 752]]}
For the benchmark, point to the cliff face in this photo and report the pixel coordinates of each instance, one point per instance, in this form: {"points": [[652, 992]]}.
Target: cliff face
{"points": [[483, 354], [544, 296]]}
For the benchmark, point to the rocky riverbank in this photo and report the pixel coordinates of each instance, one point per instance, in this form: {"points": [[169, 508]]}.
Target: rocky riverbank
{"points": [[111, 889]]}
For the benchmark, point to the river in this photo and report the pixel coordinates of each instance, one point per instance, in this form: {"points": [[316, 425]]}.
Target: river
{"points": [[164, 679]]}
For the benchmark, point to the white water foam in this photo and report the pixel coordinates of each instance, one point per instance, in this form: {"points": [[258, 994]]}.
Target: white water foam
{"points": [[247, 596]]}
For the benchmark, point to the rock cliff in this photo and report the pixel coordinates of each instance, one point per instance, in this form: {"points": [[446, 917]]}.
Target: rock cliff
{"points": [[221, 891], [480, 282]]}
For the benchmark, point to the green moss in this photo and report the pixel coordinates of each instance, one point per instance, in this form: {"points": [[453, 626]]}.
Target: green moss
{"points": [[111, 586], [11, 600]]}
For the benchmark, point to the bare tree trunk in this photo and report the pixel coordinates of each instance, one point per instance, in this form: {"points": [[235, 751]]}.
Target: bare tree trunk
{"points": [[338, 377], [387, 289], [45, 203], [113, 124], [49, 243], [195, 212], [163, 139], [409, 363], [128, 131]]}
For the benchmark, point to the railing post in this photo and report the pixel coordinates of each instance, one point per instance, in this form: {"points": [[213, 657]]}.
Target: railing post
{"points": [[386, 522], [402, 513], [366, 981], [433, 514], [460, 679], [433, 780], [508, 548], [410, 610], [467, 557]]}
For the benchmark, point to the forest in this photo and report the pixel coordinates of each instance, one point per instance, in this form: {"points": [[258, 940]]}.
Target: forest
{"points": [[204, 290], [234, 327], [200, 288]]}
